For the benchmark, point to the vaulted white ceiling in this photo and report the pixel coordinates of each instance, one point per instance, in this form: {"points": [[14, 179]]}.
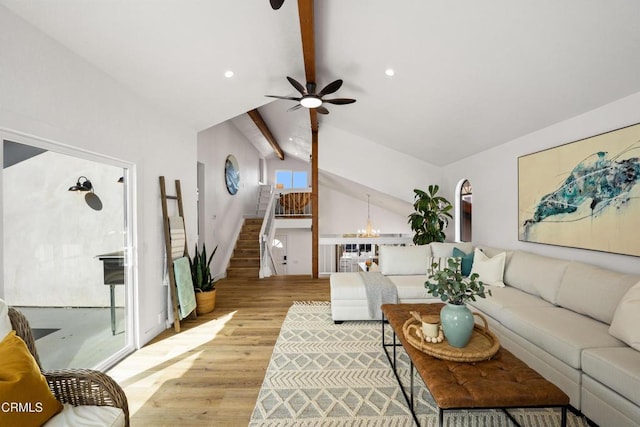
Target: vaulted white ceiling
{"points": [[469, 75]]}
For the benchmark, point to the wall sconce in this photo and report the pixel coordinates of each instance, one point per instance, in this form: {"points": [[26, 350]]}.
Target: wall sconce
{"points": [[82, 185], [90, 197]]}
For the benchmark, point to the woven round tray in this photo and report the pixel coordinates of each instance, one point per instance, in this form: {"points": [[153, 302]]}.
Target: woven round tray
{"points": [[482, 346]]}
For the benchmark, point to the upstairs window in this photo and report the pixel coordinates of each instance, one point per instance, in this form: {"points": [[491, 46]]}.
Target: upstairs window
{"points": [[291, 179]]}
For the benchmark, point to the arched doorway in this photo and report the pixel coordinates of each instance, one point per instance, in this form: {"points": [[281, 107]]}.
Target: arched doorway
{"points": [[464, 211]]}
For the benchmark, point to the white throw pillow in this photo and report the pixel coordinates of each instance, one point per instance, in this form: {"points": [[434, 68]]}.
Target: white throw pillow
{"points": [[489, 270], [5, 322], [404, 260], [626, 319]]}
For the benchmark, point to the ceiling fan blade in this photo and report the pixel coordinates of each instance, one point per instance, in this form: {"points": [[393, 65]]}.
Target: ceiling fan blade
{"points": [[291, 98], [339, 101], [330, 88], [276, 4], [322, 110], [295, 107], [297, 85]]}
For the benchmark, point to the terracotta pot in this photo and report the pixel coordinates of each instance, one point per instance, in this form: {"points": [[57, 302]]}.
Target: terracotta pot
{"points": [[205, 302]]}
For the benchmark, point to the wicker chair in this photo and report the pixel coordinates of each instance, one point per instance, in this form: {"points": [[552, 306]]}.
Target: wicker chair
{"points": [[74, 386]]}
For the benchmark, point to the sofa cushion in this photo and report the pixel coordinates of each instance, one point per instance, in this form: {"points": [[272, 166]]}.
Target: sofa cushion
{"points": [[626, 320], [411, 287], [5, 322], [507, 297], [489, 270], [22, 384], [88, 416], [445, 249], [558, 331], [535, 274], [401, 260], [593, 291], [347, 286], [618, 368]]}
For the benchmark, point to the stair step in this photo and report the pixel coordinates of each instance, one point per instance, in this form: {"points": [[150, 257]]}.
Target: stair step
{"points": [[245, 262], [249, 236], [243, 271], [248, 243], [246, 252]]}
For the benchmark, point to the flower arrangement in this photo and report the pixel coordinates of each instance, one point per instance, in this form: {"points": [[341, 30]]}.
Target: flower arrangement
{"points": [[451, 286]]}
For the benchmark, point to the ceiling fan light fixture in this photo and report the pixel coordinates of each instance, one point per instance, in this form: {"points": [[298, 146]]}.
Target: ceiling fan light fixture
{"points": [[310, 101]]}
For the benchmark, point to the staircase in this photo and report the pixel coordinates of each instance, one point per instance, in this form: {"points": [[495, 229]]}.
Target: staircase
{"points": [[245, 261], [264, 194]]}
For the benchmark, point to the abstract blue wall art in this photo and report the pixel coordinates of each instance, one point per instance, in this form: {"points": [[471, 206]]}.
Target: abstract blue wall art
{"points": [[584, 194]]}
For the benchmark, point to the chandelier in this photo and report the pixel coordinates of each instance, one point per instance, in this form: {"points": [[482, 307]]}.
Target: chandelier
{"points": [[369, 231]]}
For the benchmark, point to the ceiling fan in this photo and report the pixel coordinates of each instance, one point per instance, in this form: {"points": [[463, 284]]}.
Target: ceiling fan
{"points": [[276, 4], [311, 99]]}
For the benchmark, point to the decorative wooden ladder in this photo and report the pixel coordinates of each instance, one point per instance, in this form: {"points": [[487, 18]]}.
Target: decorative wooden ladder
{"points": [[167, 245]]}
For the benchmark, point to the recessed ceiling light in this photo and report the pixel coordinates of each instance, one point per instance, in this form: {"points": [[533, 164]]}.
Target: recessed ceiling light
{"points": [[290, 139], [228, 74], [389, 72]]}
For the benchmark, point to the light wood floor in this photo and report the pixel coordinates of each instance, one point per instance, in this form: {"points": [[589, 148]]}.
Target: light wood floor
{"points": [[210, 373]]}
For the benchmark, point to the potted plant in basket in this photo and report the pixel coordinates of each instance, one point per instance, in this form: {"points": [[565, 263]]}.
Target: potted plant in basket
{"points": [[203, 284], [431, 216], [455, 290]]}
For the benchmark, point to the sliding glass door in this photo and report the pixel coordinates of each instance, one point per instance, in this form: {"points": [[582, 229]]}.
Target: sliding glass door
{"points": [[66, 251]]}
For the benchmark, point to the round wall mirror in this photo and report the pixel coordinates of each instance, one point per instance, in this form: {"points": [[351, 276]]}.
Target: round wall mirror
{"points": [[231, 174]]}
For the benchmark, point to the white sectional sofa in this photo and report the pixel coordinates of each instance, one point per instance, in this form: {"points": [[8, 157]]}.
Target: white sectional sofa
{"points": [[405, 266], [576, 324]]}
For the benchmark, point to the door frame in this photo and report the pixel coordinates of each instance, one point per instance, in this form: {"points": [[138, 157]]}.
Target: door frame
{"points": [[132, 339]]}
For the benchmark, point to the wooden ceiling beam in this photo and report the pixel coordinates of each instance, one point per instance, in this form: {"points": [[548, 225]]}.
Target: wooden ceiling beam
{"points": [[262, 125], [305, 10]]}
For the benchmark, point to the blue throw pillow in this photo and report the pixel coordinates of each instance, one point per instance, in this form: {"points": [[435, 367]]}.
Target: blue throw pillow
{"points": [[467, 261]]}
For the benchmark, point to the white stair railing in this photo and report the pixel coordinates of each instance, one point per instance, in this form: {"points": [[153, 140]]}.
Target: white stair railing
{"points": [[267, 231]]}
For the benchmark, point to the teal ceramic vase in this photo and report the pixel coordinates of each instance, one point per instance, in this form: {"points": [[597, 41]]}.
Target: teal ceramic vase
{"points": [[457, 324]]}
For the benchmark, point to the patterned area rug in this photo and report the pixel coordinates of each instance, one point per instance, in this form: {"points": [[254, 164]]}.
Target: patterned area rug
{"points": [[328, 375]]}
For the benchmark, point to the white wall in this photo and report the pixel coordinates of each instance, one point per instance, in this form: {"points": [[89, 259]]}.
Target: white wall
{"points": [[341, 213], [373, 165], [52, 236], [49, 92], [494, 177], [224, 213]]}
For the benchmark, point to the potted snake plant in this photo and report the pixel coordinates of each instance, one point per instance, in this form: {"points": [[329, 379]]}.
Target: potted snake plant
{"points": [[203, 283]]}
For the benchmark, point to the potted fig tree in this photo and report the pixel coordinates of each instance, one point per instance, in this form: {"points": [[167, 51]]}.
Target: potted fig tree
{"points": [[203, 283], [431, 216]]}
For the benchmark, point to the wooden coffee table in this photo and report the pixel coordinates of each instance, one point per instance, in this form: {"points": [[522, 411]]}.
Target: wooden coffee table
{"points": [[502, 382]]}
